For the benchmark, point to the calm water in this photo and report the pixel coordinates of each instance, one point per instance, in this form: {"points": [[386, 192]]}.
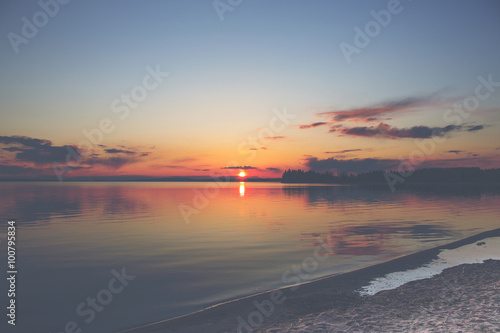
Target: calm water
{"points": [[240, 241]]}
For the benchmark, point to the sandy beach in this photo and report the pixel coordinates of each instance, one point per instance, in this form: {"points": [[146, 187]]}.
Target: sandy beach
{"points": [[450, 288], [465, 298]]}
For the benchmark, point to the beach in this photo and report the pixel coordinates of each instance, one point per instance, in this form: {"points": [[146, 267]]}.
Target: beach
{"points": [[465, 298], [449, 288]]}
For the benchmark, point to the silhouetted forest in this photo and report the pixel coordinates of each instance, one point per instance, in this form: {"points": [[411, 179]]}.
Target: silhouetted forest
{"points": [[420, 176]]}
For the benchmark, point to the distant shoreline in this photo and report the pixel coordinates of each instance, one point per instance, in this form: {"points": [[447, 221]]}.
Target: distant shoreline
{"points": [[408, 185], [458, 176], [159, 180]]}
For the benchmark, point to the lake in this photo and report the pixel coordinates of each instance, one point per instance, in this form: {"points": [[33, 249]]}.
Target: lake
{"points": [[106, 256]]}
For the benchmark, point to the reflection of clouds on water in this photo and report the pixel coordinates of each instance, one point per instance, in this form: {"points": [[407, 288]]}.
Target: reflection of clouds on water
{"points": [[349, 241], [375, 239], [33, 205], [334, 194], [426, 232], [374, 194], [416, 219], [118, 201]]}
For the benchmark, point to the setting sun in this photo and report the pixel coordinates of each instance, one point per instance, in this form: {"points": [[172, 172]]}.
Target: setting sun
{"points": [[242, 174]]}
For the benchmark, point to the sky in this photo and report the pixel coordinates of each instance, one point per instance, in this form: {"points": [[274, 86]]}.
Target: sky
{"points": [[204, 88]]}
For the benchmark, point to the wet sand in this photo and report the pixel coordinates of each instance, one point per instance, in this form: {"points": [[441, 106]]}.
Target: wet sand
{"points": [[461, 298]]}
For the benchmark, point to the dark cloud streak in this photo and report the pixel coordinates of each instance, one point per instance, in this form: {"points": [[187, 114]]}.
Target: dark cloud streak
{"points": [[342, 151], [352, 165], [379, 111], [245, 167], [119, 151], [316, 124], [383, 130]]}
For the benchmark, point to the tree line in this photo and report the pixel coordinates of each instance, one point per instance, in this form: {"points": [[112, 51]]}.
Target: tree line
{"points": [[462, 175]]}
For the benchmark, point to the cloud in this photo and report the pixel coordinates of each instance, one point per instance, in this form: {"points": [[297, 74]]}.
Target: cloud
{"points": [[111, 162], [455, 151], [119, 151], [372, 164], [316, 124], [381, 111], [246, 167], [342, 151], [72, 168], [43, 155], [16, 170], [43, 152], [351, 165], [274, 137], [38, 151], [261, 148], [470, 161], [47, 155], [274, 169], [475, 128], [185, 159], [201, 169], [25, 141], [169, 166], [11, 149], [383, 130]]}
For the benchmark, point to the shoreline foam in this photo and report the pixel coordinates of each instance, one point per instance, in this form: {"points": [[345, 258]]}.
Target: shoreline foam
{"points": [[475, 253]]}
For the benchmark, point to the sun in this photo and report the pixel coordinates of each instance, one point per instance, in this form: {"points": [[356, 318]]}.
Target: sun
{"points": [[242, 174]]}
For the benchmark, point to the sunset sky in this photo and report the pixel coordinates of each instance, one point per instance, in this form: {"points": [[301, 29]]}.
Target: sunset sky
{"points": [[200, 88]]}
